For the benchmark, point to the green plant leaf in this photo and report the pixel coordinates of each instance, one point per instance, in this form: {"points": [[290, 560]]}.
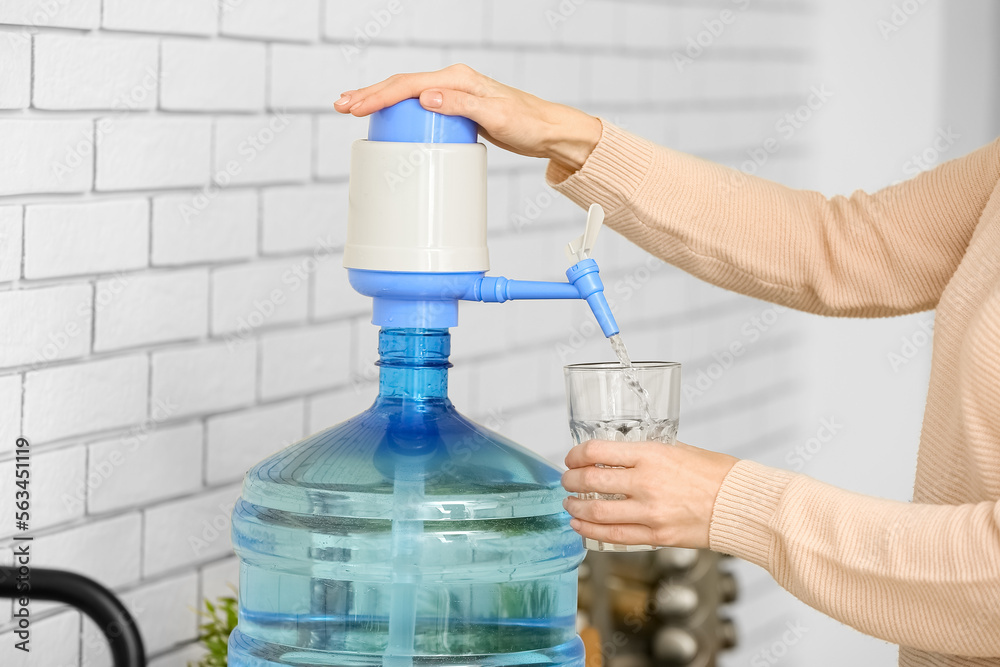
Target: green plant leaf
{"points": [[221, 620]]}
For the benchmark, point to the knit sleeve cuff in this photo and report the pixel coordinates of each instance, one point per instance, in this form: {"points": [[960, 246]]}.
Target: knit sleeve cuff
{"points": [[612, 173], [744, 509]]}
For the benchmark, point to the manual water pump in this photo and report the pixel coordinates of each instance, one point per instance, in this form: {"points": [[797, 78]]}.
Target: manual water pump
{"points": [[408, 534]]}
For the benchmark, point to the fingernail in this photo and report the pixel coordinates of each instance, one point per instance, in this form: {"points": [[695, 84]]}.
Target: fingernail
{"points": [[433, 99], [574, 523], [356, 106], [344, 99]]}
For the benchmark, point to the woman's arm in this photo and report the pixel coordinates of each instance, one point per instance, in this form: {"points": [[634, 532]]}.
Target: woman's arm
{"points": [[875, 255], [920, 575], [868, 255]]}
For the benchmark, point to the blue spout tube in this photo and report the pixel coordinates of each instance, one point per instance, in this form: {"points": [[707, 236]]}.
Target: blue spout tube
{"points": [[430, 300], [584, 283]]}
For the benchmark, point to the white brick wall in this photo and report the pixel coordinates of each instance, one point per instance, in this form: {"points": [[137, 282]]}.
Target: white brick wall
{"points": [[10, 242], [306, 77], [212, 76], [45, 324], [117, 470], [72, 239], [189, 230], [272, 19], [152, 309], [303, 360], [86, 549], [238, 440], [302, 218], [53, 472], [184, 532], [46, 156], [84, 14], [82, 398], [204, 378], [79, 72], [50, 633], [15, 77], [163, 613], [10, 412], [173, 181], [197, 17], [260, 294], [136, 153], [264, 149]]}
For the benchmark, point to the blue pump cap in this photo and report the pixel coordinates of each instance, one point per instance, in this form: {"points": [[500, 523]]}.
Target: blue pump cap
{"points": [[408, 121]]}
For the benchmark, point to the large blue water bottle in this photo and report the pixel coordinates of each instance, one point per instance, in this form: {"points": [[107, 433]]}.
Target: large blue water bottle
{"points": [[409, 535]]}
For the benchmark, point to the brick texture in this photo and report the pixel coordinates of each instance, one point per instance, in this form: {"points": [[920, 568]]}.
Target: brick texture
{"points": [[72, 239], [86, 397], [79, 72], [116, 467], [212, 76], [46, 156], [297, 218], [10, 242], [200, 229], [196, 17], [84, 14], [238, 440], [272, 19], [15, 75], [135, 153], [152, 309], [10, 412], [204, 378], [173, 203], [45, 324]]}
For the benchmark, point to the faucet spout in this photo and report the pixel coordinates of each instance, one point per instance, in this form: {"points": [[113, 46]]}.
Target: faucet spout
{"points": [[584, 283]]}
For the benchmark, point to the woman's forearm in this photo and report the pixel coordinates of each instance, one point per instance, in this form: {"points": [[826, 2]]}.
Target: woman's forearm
{"points": [[925, 576], [888, 253]]}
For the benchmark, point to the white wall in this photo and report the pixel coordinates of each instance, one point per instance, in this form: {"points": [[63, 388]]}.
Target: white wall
{"points": [[143, 351]]}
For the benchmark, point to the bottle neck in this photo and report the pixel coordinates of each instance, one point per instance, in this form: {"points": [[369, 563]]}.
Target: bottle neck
{"points": [[413, 364]]}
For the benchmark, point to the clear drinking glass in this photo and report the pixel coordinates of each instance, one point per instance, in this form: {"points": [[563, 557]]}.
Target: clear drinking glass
{"points": [[604, 405]]}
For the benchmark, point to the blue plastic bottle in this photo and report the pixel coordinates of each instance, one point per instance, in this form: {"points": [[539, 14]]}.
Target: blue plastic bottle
{"points": [[407, 535]]}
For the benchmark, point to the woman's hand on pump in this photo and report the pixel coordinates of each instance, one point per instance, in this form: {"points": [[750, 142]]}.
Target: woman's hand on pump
{"points": [[509, 118]]}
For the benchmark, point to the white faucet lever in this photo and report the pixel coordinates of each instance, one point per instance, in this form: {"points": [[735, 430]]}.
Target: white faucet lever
{"points": [[579, 249]]}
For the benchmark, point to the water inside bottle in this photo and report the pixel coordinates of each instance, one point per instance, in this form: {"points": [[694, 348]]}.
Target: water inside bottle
{"points": [[406, 536]]}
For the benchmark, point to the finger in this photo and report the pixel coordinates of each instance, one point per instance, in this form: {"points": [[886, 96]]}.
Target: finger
{"points": [[606, 452], [617, 533], [486, 111], [597, 480], [343, 105], [606, 511], [400, 87]]}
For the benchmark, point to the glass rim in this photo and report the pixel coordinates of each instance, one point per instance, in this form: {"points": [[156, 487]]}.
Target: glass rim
{"points": [[616, 366]]}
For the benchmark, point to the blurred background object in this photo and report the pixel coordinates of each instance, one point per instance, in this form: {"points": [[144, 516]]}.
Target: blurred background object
{"points": [[172, 207], [659, 608]]}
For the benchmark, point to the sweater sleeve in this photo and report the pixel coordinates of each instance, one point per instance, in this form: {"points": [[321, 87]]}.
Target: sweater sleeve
{"points": [[919, 575], [867, 255]]}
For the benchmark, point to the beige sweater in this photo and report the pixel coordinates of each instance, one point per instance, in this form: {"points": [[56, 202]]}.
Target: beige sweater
{"points": [[925, 574]]}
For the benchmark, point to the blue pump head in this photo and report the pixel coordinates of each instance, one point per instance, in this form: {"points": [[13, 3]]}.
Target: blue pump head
{"points": [[429, 298], [409, 122]]}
